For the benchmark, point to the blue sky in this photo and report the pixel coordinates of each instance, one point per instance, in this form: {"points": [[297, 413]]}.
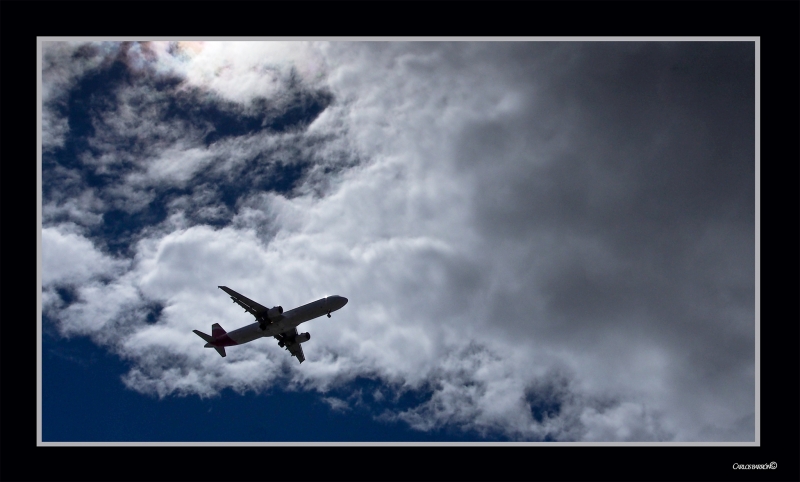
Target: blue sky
{"points": [[539, 241], [93, 405]]}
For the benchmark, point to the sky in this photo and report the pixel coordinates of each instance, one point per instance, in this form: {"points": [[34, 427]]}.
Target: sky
{"points": [[539, 241]]}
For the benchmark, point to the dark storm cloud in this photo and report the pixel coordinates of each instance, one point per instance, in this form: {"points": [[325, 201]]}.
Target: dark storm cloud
{"points": [[659, 158], [644, 213]]}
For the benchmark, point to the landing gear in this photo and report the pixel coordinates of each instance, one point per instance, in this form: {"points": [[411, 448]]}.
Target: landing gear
{"points": [[329, 314], [281, 344]]}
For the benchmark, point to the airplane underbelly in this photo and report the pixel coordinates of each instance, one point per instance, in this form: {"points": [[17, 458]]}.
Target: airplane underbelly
{"points": [[286, 324], [252, 332], [246, 334], [309, 312]]}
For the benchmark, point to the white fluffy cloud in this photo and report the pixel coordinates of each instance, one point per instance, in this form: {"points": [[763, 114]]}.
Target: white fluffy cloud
{"points": [[516, 226], [69, 257]]}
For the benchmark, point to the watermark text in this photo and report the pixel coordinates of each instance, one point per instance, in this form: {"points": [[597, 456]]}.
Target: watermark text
{"points": [[771, 465]]}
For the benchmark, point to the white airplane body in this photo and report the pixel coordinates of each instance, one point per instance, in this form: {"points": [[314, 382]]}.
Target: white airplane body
{"points": [[271, 322]]}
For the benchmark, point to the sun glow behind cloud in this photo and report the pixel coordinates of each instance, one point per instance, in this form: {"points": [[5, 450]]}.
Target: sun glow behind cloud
{"points": [[540, 240]]}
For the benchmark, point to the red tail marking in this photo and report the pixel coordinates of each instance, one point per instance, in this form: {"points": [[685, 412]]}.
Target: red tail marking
{"points": [[217, 331]]}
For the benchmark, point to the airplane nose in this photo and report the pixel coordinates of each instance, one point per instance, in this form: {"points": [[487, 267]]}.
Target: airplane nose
{"points": [[338, 301]]}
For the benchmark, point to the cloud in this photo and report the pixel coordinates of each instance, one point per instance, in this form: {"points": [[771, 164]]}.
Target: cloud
{"points": [[71, 258], [336, 404], [542, 241], [63, 63], [84, 209]]}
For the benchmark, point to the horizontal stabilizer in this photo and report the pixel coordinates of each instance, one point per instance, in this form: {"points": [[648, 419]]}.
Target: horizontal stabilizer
{"points": [[203, 336], [220, 350]]}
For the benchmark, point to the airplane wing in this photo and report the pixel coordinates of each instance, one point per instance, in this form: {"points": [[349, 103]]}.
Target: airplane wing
{"points": [[249, 305], [295, 348]]}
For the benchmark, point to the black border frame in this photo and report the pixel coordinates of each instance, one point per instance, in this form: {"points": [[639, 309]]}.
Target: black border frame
{"points": [[776, 23]]}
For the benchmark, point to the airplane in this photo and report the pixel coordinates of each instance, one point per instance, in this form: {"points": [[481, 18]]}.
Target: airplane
{"points": [[271, 322]]}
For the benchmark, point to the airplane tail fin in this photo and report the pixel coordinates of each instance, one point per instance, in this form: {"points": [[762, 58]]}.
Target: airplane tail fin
{"points": [[217, 331], [203, 336]]}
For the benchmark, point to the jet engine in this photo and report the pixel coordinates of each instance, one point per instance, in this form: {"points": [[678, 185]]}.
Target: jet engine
{"points": [[274, 312], [302, 338]]}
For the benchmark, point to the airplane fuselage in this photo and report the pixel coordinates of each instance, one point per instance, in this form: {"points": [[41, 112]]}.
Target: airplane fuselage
{"points": [[284, 322]]}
